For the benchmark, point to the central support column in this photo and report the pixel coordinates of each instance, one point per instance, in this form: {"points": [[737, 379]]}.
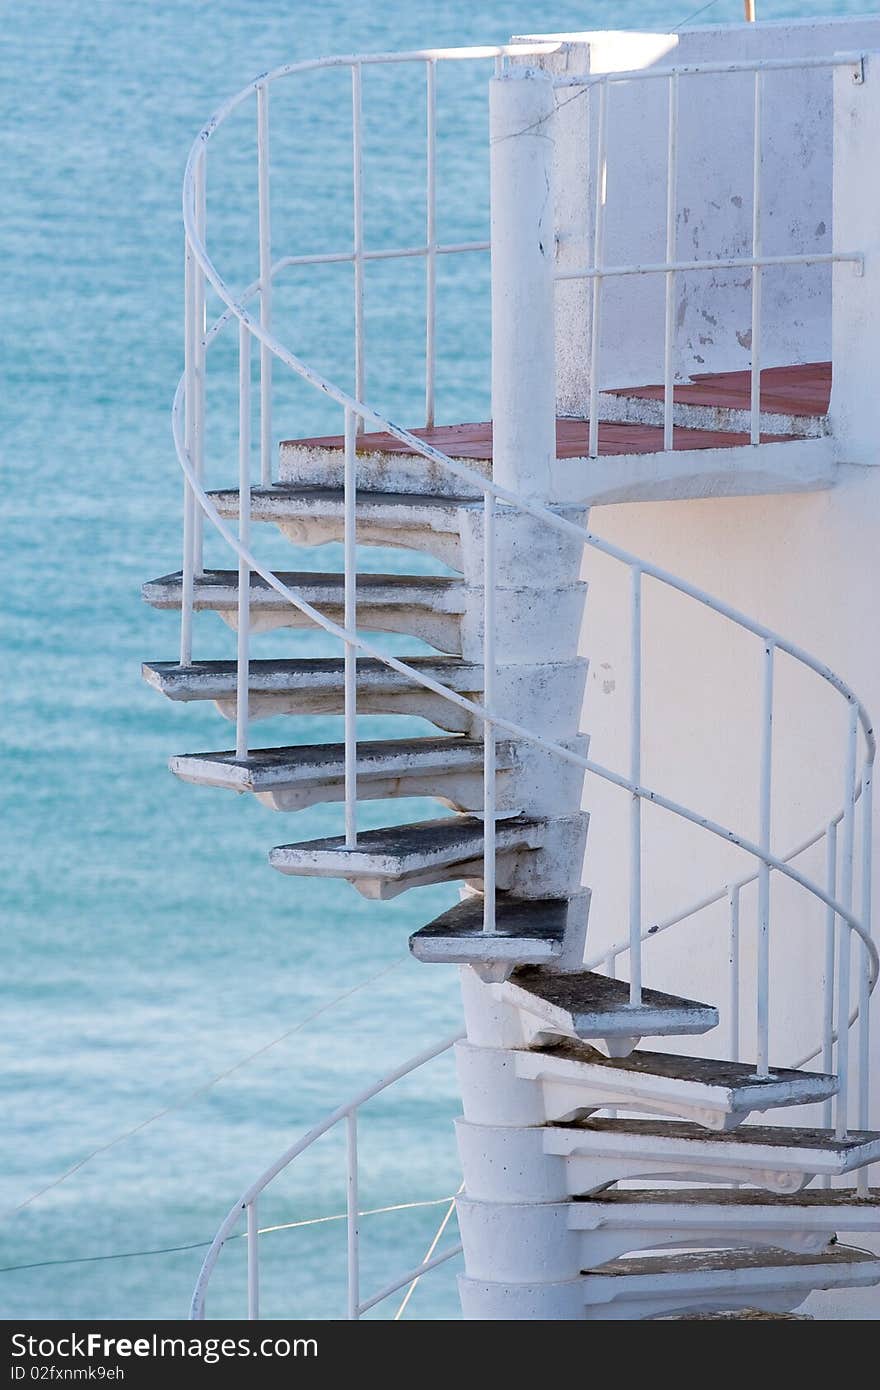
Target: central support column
{"points": [[519, 1260]]}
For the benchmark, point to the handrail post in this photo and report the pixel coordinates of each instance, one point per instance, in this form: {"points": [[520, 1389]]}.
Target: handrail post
{"points": [[350, 620], [430, 239], [844, 943], [253, 1261], [242, 688], [265, 235], [733, 950], [864, 972], [828, 973], [635, 775], [764, 837], [354, 1291]]}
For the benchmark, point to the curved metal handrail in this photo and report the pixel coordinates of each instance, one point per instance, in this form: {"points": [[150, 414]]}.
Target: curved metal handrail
{"points": [[259, 1185]]}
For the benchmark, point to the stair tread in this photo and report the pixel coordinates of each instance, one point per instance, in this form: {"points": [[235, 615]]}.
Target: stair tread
{"points": [[599, 1004], [747, 1136], [543, 919], [267, 767], [720, 1261], [447, 840], [286, 496], [214, 679], [369, 585], [704, 1070], [735, 1197]]}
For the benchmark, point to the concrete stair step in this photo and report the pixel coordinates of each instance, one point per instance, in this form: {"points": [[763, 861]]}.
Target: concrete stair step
{"points": [[656, 1286], [571, 1080], [526, 931], [288, 779], [777, 1157], [315, 515], [714, 1093], [587, 1005], [317, 686], [618, 1220], [519, 1242], [386, 862], [772, 1280], [426, 606]]}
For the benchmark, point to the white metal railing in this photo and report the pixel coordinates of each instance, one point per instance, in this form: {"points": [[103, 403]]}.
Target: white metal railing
{"points": [[189, 437], [247, 1205], [598, 271]]}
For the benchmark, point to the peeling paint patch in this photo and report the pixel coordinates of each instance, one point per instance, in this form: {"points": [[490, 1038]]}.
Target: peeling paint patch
{"points": [[745, 339]]}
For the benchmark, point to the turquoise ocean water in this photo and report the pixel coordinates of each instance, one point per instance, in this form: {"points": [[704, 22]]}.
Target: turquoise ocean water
{"points": [[146, 946]]}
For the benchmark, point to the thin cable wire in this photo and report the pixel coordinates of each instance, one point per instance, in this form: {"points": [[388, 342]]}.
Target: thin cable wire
{"points": [[198, 1091], [693, 15], [428, 1253], [201, 1244]]}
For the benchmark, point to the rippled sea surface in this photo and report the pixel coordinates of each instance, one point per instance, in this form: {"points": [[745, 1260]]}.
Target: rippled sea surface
{"points": [[146, 946]]}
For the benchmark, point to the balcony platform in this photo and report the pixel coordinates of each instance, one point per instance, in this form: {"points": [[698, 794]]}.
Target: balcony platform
{"points": [[711, 454]]}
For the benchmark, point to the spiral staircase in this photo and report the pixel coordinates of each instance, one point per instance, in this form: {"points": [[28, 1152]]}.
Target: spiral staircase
{"points": [[602, 1179]]}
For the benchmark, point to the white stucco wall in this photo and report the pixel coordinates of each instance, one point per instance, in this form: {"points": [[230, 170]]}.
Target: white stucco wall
{"points": [[806, 565], [713, 312]]}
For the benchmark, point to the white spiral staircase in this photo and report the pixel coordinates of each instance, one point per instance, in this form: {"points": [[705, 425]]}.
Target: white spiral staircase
{"points": [[561, 1104]]}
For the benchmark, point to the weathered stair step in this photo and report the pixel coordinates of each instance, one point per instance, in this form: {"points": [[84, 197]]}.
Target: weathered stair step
{"points": [[526, 931], [388, 861], [595, 1152], [317, 686], [587, 1005], [779, 1158], [773, 1280], [426, 606], [315, 515], [287, 779], [613, 1222], [517, 1242], [652, 1286], [576, 1079]]}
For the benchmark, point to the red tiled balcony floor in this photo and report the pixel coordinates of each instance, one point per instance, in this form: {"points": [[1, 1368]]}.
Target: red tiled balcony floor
{"points": [[803, 390]]}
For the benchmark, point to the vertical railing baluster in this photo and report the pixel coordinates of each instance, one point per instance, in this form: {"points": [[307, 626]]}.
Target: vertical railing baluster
{"points": [[189, 500], [353, 1216], [611, 972], [265, 235], [671, 177], [253, 1262], [358, 231], [828, 973], [733, 956], [598, 261], [201, 355], [350, 619], [844, 938], [489, 758], [431, 241], [756, 269], [865, 964], [635, 773], [242, 671], [765, 817]]}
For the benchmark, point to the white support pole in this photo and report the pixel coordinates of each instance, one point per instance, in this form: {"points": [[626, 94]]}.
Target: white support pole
{"points": [[864, 964], [350, 619], [200, 348], [242, 670], [854, 411], [757, 273], [598, 262], [265, 235], [844, 938], [763, 953], [357, 173], [635, 775], [521, 105], [671, 205], [253, 1261], [189, 501], [733, 953], [353, 1216], [431, 241], [828, 973], [489, 759]]}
